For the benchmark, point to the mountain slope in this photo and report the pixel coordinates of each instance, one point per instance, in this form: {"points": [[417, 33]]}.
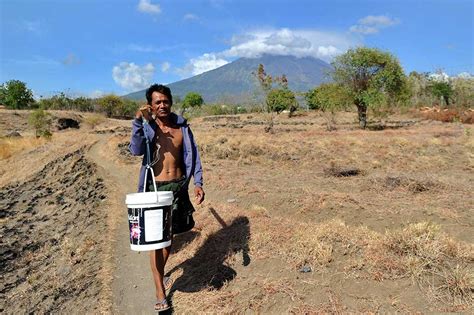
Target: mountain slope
{"points": [[234, 81]]}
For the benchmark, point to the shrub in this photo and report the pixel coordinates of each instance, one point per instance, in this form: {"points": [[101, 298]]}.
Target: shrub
{"points": [[127, 108], [94, 120], [282, 99], [218, 109], [40, 121], [109, 104], [191, 100]]}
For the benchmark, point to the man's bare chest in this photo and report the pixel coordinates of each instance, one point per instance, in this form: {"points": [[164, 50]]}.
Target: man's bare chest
{"points": [[170, 139]]}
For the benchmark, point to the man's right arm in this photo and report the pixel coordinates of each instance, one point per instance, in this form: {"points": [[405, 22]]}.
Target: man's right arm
{"points": [[137, 142], [140, 128]]}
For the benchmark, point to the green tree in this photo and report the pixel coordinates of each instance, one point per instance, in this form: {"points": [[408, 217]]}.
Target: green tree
{"points": [[15, 95], [127, 108], [83, 104], [371, 76], [109, 104], [40, 121], [442, 89], [328, 97], [281, 99], [463, 91], [192, 99], [279, 94]]}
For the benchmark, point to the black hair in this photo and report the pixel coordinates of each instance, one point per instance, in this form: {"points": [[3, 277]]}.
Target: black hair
{"points": [[160, 88]]}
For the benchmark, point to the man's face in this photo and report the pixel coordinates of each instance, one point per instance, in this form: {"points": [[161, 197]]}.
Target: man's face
{"points": [[160, 104]]}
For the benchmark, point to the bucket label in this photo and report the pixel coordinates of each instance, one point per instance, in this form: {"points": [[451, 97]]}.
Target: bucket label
{"points": [[149, 226], [153, 225], [135, 231]]}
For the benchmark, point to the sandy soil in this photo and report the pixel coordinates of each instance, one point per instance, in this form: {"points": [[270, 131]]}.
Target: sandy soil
{"points": [[299, 221]]}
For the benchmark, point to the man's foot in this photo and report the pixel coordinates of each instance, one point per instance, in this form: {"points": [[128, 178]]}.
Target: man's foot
{"points": [[168, 282], [161, 306]]}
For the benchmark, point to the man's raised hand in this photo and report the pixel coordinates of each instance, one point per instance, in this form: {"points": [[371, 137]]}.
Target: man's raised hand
{"points": [[145, 112]]}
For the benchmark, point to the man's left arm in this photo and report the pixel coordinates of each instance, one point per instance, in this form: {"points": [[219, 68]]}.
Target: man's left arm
{"points": [[197, 176]]}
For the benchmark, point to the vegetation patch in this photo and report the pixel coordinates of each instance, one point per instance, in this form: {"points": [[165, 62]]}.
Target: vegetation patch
{"points": [[340, 171], [448, 114], [441, 266], [414, 185]]}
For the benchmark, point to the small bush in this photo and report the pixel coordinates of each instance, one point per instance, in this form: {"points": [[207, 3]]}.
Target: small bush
{"points": [[217, 109], [40, 121], [94, 120]]}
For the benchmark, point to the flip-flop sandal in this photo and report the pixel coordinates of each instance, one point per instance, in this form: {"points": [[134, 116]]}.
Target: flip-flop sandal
{"points": [[161, 306], [168, 282]]}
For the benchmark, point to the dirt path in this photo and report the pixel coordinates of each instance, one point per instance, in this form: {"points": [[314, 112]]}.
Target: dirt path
{"points": [[132, 286]]}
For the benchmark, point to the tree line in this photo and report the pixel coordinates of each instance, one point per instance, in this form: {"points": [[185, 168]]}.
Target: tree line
{"points": [[367, 79], [14, 94]]}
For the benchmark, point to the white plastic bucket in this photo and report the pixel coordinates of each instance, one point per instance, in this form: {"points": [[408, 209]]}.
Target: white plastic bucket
{"points": [[149, 219]]}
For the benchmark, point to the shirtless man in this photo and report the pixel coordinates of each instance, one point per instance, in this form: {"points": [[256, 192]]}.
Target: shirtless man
{"points": [[176, 160]]}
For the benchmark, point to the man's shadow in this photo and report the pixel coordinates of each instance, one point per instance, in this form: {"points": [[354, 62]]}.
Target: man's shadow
{"points": [[207, 268]]}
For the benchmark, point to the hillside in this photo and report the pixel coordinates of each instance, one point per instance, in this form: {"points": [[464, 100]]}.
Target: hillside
{"points": [[234, 81], [302, 221]]}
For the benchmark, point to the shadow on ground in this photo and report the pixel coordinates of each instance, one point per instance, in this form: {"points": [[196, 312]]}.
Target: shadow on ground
{"points": [[180, 241], [207, 269]]}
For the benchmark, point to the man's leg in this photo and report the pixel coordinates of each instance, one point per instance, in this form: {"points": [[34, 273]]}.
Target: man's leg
{"points": [[158, 259]]}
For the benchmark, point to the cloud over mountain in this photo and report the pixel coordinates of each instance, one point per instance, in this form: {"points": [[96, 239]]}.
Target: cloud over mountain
{"points": [[132, 77], [279, 42]]}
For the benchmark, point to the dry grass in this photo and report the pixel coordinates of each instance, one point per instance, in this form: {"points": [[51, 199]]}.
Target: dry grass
{"points": [[11, 146], [449, 115], [394, 237], [94, 120], [440, 265], [419, 252]]}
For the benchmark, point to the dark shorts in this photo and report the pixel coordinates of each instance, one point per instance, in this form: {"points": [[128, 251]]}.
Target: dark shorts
{"points": [[182, 208]]}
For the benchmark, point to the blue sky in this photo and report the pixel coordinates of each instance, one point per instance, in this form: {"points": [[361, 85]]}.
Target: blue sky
{"points": [[93, 47]]}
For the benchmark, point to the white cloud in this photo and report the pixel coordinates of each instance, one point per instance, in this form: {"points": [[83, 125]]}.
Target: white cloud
{"points": [[71, 59], [299, 43], [372, 24], [147, 7], [32, 26], [378, 20], [363, 29], [465, 75], [190, 17], [96, 94], [201, 64], [141, 48], [133, 77], [439, 76], [165, 66]]}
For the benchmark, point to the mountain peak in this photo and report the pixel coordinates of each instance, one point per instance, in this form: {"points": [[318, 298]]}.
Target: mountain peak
{"points": [[235, 82]]}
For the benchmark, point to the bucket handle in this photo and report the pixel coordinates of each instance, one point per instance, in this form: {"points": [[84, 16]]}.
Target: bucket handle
{"points": [[148, 164], [153, 176]]}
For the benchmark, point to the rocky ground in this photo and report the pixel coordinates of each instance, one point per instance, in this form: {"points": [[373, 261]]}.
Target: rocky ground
{"points": [[52, 230]]}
